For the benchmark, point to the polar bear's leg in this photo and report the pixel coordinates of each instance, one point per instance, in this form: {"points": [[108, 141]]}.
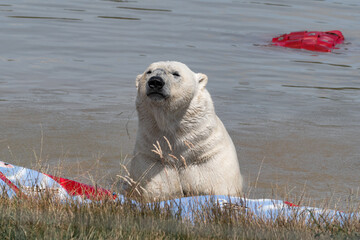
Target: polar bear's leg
{"points": [[155, 180], [205, 179]]}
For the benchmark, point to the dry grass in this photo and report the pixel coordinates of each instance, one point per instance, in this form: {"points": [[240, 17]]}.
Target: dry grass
{"points": [[45, 218]]}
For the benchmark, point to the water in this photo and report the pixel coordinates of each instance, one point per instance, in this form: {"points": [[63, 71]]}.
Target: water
{"points": [[67, 87]]}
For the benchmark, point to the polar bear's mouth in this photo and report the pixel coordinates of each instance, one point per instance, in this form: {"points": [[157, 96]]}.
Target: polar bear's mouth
{"points": [[156, 95]]}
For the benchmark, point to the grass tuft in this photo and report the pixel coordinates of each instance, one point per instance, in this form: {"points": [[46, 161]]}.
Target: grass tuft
{"points": [[45, 218]]}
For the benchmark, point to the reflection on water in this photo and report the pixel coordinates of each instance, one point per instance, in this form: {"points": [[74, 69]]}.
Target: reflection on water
{"points": [[272, 4], [68, 70], [75, 10], [51, 18], [124, 18], [327, 88], [145, 9], [330, 64]]}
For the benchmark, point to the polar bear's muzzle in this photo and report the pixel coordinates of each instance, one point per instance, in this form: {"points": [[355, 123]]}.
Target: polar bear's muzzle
{"points": [[155, 88]]}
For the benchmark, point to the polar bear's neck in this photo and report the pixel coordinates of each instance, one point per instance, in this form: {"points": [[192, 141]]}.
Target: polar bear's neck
{"points": [[155, 120], [199, 112]]}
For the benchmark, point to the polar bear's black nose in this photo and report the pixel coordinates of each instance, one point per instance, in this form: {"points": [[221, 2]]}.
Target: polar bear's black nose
{"points": [[156, 83]]}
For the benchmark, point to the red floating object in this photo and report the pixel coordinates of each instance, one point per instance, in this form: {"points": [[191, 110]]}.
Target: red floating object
{"points": [[313, 41]]}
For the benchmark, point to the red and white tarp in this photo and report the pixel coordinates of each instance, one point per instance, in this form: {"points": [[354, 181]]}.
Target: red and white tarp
{"points": [[18, 181]]}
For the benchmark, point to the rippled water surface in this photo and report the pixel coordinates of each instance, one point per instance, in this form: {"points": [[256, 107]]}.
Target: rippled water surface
{"points": [[67, 86]]}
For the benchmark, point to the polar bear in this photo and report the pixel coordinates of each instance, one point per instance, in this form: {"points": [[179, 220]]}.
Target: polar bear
{"points": [[182, 148]]}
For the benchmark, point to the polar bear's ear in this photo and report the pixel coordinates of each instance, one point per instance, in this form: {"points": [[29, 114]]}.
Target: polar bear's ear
{"points": [[138, 80], [202, 79]]}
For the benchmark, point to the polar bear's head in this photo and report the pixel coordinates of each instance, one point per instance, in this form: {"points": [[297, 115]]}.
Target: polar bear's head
{"points": [[170, 84]]}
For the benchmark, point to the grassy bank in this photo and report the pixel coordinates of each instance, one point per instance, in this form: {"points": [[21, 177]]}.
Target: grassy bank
{"points": [[47, 219], [44, 218]]}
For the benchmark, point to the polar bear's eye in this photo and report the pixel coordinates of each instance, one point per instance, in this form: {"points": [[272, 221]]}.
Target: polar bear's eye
{"points": [[176, 74], [148, 72]]}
